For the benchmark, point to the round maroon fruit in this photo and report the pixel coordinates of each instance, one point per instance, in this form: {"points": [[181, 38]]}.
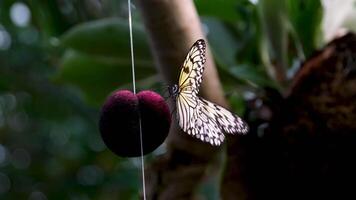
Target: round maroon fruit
{"points": [[119, 122]]}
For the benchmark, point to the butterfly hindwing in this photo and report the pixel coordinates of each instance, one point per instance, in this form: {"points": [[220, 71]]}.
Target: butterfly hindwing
{"points": [[226, 120], [205, 127], [211, 121]]}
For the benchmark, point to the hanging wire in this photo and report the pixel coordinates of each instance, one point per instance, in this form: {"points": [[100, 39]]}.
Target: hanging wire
{"points": [[134, 90]]}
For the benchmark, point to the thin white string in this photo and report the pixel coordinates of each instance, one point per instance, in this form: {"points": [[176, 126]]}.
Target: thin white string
{"points": [[132, 51], [134, 90]]}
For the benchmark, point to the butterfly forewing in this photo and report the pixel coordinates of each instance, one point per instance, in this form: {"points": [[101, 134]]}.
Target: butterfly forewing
{"points": [[189, 81], [192, 70]]}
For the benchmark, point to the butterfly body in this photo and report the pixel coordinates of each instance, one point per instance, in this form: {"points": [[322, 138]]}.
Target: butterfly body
{"points": [[173, 91], [197, 116]]}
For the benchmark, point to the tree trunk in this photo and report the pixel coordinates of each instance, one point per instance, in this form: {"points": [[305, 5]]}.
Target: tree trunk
{"points": [[173, 26]]}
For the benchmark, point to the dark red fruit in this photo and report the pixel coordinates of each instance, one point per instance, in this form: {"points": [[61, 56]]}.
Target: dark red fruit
{"points": [[119, 122]]}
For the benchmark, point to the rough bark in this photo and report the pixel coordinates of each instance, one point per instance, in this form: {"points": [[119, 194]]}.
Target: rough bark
{"points": [[302, 145], [173, 26]]}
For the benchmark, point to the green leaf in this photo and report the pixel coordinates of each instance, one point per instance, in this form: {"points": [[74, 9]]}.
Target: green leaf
{"points": [[300, 12], [224, 44], [254, 76], [225, 47], [223, 9], [273, 16], [107, 37], [237, 103], [98, 76]]}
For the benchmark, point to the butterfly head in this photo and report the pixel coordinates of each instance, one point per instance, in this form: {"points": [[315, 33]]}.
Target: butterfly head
{"points": [[173, 91]]}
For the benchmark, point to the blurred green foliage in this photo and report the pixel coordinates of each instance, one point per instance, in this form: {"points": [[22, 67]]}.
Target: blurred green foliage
{"points": [[57, 67], [110, 54]]}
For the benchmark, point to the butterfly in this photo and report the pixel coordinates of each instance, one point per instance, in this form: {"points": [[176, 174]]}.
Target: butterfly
{"points": [[197, 116]]}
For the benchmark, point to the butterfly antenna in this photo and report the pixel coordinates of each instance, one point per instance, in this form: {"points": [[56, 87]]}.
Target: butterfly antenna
{"points": [[166, 94], [165, 88]]}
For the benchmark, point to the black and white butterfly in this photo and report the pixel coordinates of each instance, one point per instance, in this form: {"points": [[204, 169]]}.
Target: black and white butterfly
{"points": [[196, 116]]}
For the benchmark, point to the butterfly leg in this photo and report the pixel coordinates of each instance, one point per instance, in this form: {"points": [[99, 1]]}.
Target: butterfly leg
{"points": [[174, 110]]}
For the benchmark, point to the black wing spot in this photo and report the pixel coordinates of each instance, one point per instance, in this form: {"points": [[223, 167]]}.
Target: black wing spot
{"points": [[186, 70]]}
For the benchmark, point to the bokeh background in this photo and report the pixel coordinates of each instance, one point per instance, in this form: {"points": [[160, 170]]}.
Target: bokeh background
{"points": [[60, 59]]}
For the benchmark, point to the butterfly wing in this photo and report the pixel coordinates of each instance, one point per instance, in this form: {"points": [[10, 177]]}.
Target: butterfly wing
{"points": [[197, 116], [190, 79], [226, 120], [186, 111], [191, 73], [212, 121]]}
